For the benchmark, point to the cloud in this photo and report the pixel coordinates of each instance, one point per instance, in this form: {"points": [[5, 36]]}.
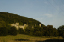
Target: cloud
{"points": [[48, 15], [38, 18], [46, 2]]}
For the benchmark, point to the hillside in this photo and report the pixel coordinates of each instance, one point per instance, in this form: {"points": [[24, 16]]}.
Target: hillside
{"points": [[9, 18]]}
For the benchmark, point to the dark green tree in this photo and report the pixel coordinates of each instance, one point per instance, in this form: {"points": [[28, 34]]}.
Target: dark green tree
{"points": [[3, 31], [21, 31], [27, 30], [61, 30], [38, 33], [55, 32], [2, 24], [63, 34], [13, 31]]}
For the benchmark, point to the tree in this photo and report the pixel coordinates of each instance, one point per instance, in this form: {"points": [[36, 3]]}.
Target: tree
{"points": [[13, 31], [2, 24], [49, 30], [55, 32], [42, 25], [3, 31], [38, 33], [21, 31], [27, 30], [61, 31], [61, 27], [63, 35]]}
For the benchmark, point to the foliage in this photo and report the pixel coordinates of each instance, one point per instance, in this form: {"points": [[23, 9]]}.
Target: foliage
{"points": [[21, 31], [55, 32], [41, 31], [2, 24], [63, 35], [12, 31], [13, 18], [9, 18], [27, 31], [61, 31], [3, 31]]}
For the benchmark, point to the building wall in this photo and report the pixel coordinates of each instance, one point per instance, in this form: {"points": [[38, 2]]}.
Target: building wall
{"points": [[21, 27], [40, 25], [18, 26]]}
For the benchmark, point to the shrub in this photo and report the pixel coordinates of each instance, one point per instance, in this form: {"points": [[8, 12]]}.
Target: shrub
{"points": [[21, 31], [13, 31], [3, 31]]}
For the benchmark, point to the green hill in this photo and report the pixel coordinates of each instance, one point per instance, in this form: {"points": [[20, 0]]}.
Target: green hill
{"points": [[9, 18]]}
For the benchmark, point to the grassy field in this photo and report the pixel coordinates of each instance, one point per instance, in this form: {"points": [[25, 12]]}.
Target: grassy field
{"points": [[25, 38]]}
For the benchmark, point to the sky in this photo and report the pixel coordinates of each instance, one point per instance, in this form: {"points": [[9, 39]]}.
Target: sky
{"points": [[48, 12]]}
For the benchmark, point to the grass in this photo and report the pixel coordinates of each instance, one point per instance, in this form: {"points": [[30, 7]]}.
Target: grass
{"points": [[25, 38]]}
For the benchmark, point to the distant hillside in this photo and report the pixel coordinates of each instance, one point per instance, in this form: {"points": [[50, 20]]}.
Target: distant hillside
{"points": [[10, 18]]}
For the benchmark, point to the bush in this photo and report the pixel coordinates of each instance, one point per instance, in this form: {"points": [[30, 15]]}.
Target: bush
{"points": [[38, 33], [13, 31], [21, 31], [3, 31], [63, 35]]}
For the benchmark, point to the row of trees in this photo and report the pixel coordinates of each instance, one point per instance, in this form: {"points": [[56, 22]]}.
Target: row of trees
{"points": [[41, 31], [36, 31], [10, 31], [45, 31]]}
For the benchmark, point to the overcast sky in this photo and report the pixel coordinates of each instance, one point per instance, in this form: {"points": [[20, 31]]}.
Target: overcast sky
{"points": [[48, 12]]}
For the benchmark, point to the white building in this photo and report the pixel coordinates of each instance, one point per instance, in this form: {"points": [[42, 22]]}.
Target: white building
{"points": [[19, 26], [39, 25]]}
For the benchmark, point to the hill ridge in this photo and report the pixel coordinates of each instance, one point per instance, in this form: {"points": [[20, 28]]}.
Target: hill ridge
{"points": [[10, 18]]}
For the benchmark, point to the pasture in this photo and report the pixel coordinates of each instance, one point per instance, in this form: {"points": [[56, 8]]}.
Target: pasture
{"points": [[25, 38]]}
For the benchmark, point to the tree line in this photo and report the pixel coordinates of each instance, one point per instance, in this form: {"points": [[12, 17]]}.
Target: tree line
{"points": [[36, 31]]}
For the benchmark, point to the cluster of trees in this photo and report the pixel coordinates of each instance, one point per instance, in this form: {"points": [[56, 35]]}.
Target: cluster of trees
{"points": [[10, 18], [8, 31], [45, 31], [42, 31], [61, 31], [4, 31], [36, 31]]}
